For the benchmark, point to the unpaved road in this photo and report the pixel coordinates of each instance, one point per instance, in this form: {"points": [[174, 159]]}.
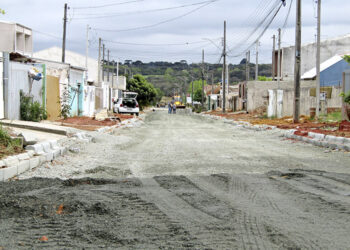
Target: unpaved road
{"points": [[182, 182]]}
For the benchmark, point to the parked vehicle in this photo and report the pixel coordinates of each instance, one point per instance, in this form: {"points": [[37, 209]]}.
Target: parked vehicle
{"points": [[127, 104]]}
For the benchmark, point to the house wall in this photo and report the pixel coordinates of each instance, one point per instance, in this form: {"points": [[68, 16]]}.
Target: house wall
{"points": [[16, 38], [329, 48], [53, 106], [89, 96], [76, 78], [1, 88], [19, 80], [258, 96], [7, 37]]}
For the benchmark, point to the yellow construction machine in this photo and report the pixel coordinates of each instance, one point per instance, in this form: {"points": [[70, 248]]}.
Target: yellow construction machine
{"points": [[178, 102]]}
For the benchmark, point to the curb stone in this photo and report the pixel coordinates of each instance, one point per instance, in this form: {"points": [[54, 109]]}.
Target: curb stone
{"points": [[321, 140], [316, 139], [35, 156]]}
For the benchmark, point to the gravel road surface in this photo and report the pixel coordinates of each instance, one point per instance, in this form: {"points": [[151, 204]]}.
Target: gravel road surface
{"points": [[182, 182]]}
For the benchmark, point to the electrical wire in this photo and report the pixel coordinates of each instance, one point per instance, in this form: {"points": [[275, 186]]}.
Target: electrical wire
{"points": [[159, 23], [149, 44], [47, 34], [96, 16], [107, 5]]}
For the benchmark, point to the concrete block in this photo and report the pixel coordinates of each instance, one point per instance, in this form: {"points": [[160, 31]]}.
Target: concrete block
{"points": [[56, 153], [324, 144], [37, 148], [31, 153], [49, 156], [34, 162], [23, 157], [339, 139], [64, 150], [317, 136], [333, 146], [46, 147], [330, 138], [54, 144], [42, 159], [2, 164], [2, 170], [10, 172], [346, 140], [346, 147], [11, 161], [23, 166]]}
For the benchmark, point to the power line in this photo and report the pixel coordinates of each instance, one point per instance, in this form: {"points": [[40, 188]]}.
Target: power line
{"points": [[47, 34], [150, 44], [96, 16], [107, 5], [160, 23]]}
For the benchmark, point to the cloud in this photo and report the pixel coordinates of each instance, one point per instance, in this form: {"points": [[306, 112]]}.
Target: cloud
{"points": [[241, 16]]}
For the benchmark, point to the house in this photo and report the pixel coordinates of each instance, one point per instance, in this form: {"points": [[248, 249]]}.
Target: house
{"points": [[72, 58], [331, 73], [329, 48], [16, 38]]}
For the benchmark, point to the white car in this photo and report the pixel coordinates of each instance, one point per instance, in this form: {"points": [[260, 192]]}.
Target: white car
{"points": [[127, 105]]}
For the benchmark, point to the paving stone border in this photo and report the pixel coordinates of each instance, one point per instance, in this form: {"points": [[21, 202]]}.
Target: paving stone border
{"points": [[316, 139], [35, 156]]}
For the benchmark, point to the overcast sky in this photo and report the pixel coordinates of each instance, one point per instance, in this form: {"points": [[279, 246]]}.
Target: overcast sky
{"points": [[200, 25]]}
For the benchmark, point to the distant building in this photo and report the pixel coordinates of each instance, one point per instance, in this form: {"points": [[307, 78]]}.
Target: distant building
{"points": [[331, 72], [74, 59], [329, 48], [16, 38]]}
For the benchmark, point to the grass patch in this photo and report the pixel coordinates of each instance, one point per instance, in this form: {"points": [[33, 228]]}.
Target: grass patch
{"points": [[331, 117], [9, 146]]}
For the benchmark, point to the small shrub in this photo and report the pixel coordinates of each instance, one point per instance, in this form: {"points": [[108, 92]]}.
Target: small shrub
{"points": [[31, 111], [8, 146], [65, 104]]}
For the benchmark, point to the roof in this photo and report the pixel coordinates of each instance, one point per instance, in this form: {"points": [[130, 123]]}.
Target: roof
{"points": [[311, 74], [13, 23]]}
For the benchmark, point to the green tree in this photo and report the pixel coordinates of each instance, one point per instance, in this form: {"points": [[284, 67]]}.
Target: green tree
{"points": [[145, 90], [198, 96], [197, 85], [2, 11]]}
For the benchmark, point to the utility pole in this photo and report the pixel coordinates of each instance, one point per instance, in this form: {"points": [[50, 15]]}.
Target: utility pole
{"points": [[318, 59], [224, 74], [103, 62], [257, 61], [64, 33], [273, 58], [279, 60], [192, 93], [99, 61], [203, 79], [87, 46], [296, 113], [107, 65], [247, 66]]}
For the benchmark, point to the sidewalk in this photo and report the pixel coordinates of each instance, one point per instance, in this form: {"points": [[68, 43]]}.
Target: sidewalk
{"points": [[38, 126]]}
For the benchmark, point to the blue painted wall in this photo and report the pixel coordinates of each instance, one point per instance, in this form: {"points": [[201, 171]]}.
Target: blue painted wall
{"points": [[333, 76]]}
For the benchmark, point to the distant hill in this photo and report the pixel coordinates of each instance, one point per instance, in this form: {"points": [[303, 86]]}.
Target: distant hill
{"points": [[170, 77]]}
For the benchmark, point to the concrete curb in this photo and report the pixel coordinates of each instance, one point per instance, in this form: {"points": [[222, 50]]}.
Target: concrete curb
{"points": [[316, 139], [35, 156], [129, 123], [321, 140]]}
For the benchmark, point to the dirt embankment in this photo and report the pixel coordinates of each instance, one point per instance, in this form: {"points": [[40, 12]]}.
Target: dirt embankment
{"points": [[305, 124], [91, 124]]}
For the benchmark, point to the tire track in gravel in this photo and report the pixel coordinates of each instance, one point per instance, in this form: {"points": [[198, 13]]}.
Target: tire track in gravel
{"points": [[248, 233], [272, 220]]}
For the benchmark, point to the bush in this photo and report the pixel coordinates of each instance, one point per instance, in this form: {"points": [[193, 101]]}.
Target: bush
{"points": [[31, 111], [8, 146]]}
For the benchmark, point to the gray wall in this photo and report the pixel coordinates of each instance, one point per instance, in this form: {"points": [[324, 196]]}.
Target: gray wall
{"points": [[19, 80], [329, 48]]}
